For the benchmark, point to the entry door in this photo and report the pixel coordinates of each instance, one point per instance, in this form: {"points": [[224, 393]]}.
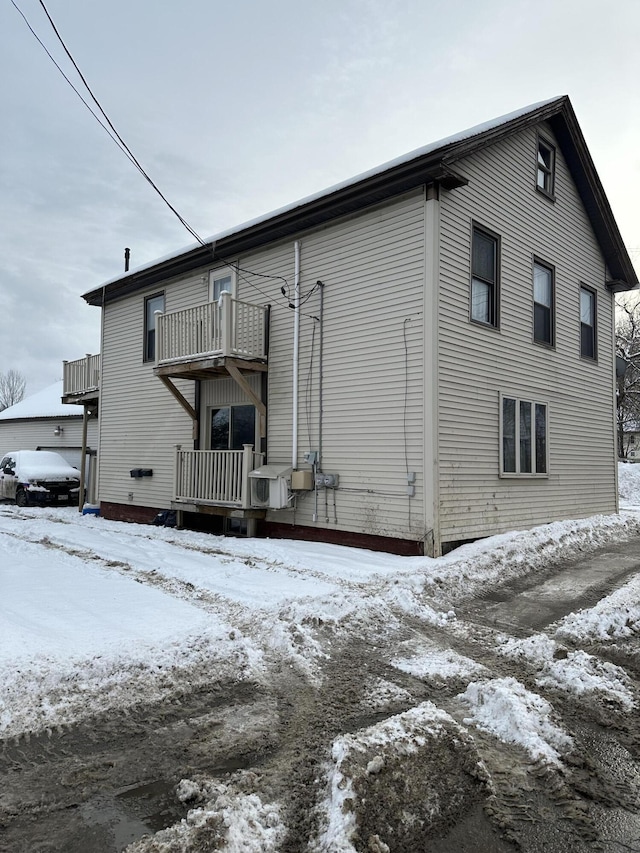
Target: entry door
{"points": [[232, 426]]}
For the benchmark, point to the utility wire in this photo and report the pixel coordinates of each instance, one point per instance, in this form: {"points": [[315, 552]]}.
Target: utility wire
{"points": [[111, 130], [123, 144]]}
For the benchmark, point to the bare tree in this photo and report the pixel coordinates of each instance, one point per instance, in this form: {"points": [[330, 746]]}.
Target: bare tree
{"points": [[12, 387], [628, 381]]}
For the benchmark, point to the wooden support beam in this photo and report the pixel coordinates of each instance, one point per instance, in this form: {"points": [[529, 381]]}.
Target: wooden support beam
{"points": [[186, 405], [237, 377]]}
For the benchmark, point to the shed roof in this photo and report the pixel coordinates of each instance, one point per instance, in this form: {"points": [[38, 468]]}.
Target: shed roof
{"points": [[43, 404], [430, 163]]}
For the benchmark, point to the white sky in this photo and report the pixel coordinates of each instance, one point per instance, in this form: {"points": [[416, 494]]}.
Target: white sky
{"points": [[236, 109]]}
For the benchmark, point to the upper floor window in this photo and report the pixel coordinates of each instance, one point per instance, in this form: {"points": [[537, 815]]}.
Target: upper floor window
{"points": [[543, 304], [219, 281], [151, 305], [524, 438], [545, 172], [485, 261], [588, 348]]}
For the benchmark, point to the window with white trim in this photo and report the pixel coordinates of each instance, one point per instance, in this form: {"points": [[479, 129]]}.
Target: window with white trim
{"points": [[220, 280], [524, 444]]}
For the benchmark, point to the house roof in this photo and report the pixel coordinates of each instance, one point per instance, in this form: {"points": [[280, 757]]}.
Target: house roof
{"points": [[43, 404], [432, 163]]}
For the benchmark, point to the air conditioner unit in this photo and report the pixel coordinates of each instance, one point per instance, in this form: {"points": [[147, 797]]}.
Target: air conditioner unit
{"points": [[270, 486]]}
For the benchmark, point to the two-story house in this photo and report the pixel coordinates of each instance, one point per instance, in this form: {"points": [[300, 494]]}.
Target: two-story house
{"points": [[405, 361]]}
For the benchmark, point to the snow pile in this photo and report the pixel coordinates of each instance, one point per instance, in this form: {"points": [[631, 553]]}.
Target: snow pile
{"points": [[470, 569], [572, 672], [372, 780], [437, 664], [629, 483], [616, 617], [505, 708], [229, 821]]}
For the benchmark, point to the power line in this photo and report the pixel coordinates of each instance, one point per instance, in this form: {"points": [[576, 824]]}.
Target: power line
{"points": [[123, 144], [113, 133]]}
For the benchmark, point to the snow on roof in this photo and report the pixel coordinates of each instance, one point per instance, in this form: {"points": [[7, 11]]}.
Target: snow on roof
{"points": [[44, 404], [377, 170]]}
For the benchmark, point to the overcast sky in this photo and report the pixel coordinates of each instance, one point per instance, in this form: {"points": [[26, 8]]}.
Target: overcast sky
{"points": [[238, 108]]}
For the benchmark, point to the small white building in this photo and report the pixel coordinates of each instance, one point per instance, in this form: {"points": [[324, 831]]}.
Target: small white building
{"points": [[43, 422]]}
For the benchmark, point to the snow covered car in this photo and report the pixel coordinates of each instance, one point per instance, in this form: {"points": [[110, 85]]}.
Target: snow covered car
{"points": [[38, 476]]}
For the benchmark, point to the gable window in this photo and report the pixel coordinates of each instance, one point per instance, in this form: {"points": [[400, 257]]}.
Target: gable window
{"points": [[219, 281], [545, 173], [523, 438], [485, 260], [588, 347], [151, 305], [543, 304], [232, 427]]}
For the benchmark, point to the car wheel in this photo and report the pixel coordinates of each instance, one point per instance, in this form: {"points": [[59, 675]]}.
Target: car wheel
{"points": [[22, 499]]}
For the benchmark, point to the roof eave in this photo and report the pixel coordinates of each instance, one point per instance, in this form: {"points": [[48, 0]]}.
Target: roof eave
{"points": [[574, 148], [340, 202], [433, 167]]}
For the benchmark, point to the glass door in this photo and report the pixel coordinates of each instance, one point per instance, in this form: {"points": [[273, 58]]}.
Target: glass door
{"points": [[232, 427]]}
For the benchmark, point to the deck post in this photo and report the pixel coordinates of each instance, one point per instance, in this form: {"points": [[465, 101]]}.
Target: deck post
{"points": [[226, 318], [247, 465], [176, 471]]}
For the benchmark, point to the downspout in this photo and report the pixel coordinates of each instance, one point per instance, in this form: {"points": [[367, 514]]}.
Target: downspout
{"points": [[320, 376], [296, 352]]}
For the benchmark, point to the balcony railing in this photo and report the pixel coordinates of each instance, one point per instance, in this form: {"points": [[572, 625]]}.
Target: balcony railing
{"points": [[215, 477], [228, 327], [81, 376]]}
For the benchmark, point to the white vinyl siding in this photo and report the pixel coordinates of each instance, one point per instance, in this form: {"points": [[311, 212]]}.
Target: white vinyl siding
{"points": [[372, 268], [475, 363], [36, 433], [140, 421]]}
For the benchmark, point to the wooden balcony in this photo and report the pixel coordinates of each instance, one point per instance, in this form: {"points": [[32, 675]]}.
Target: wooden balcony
{"points": [[214, 478], [228, 338], [81, 380], [196, 341]]}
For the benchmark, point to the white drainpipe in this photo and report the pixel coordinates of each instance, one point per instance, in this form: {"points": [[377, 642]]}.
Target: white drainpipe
{"points": [[296, 349]]}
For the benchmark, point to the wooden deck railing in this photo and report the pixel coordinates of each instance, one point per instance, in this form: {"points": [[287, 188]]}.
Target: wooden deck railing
{"points": [[215, 477], [81, 376], [228, 327]]}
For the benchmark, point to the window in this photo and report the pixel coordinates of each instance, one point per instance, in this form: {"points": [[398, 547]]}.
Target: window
{"points": [[219, 281], [523, 434], [545, 171], [543, 299], [151, 305], [588, 323], [485, 259], [232, 427]]}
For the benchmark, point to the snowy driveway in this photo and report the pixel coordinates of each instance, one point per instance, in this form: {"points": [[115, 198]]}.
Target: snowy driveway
{"points": [[149, 630]]}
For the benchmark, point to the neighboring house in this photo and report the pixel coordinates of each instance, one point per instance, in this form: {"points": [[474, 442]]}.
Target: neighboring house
{"points": [[42, 422], [631, 443], [406, 361]]}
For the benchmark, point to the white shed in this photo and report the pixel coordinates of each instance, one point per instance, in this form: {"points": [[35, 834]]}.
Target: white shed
{"points": [[42, 422]]}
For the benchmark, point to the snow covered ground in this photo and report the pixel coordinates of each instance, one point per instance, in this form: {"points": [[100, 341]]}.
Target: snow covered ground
{"points": [[97, 615], [90, 609]]}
